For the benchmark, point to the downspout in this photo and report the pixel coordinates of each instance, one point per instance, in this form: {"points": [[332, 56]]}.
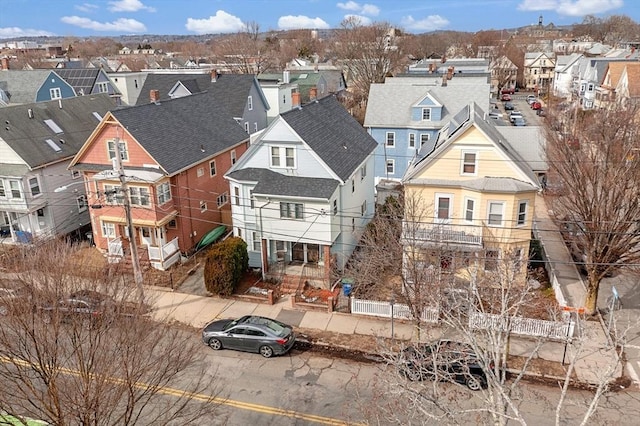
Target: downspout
{"points": [[263, 248]]}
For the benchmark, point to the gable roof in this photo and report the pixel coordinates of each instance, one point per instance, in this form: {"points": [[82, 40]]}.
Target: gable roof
{"points": [[76, 120], [390, 102], [233, 90], [633, 79], [163, 83], [333, 134], [22, 85], [470, 116], [184, 131], [614, 70]]}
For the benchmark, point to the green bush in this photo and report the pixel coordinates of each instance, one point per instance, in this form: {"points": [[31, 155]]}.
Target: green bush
{"points": [[225, 265]]}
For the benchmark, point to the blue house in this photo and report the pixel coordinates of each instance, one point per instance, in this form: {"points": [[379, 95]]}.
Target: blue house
{"points": [[405, 113], [70, 82]]}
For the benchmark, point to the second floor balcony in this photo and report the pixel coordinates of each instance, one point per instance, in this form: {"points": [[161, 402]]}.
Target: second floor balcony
{"points": [[441, 233]]}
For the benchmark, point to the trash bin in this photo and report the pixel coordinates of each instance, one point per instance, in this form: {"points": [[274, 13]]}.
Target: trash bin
{"points": [[347, 284]]}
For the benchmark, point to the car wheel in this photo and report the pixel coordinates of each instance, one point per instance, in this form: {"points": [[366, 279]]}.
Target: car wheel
{"points": [[215, 344], [474, 382], [266, 351], [4, 310]]}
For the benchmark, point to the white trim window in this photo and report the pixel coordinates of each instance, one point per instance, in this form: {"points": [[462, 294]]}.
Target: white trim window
{"points": [[112, 149], [522, 213], [14, 187], [424, 138], [363, 208], [469, 163], [212, 168], [108, 229], [234, 158], [495, 213], [283, 157], [391, 167], [34, 186], [250, 103], [236, 196], [426, 114], [222, 199], [246, 126], [363, 172], [83, 204], [110, 194], [390, 139], [3, 192], [203, 206], [291, 210], [412, 140], [139, 196], [256, 242], [164, 192], [469, 208], [444, 206], [55, 93], [200, 172], [103, 87]]}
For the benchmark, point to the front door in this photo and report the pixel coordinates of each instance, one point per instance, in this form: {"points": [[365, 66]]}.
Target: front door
{"points": [[146, 236], [297, 253]]}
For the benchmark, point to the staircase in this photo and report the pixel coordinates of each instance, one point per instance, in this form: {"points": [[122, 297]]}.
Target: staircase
{"points": [[290, 284]]}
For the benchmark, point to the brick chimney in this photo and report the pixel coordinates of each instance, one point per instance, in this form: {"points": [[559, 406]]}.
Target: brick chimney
{"points": [[450, 73], [313, 93], [154, 95], [214, 75], [295, 99], [4, 64]]}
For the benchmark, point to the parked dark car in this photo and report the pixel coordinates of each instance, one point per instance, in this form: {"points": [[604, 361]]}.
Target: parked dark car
{"points": [[250, 333], [508, 106], [444, 360], [15, 297], [90, 306]]}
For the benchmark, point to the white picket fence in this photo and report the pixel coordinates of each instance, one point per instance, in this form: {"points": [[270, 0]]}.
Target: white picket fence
{"points": [[561, 330], [384, 309]]}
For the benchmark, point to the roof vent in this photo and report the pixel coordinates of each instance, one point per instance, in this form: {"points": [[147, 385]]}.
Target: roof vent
{"points": [[30, 113], [60, 103], [202, 147]]}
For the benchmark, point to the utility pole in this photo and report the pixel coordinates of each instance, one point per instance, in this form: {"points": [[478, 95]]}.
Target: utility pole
{"points": [[133, 246]]}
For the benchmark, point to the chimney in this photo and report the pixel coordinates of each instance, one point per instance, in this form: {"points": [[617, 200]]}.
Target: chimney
{"points": [[4, 64], [295, 99], [285, 76], [450, 73], [154, 95], [313, 93], [431, 67], [214, 75], [444, 80]]}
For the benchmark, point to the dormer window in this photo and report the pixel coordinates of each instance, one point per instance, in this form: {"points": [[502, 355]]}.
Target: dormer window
{"points": [[426, 114], [469, 163], [55, 93]]}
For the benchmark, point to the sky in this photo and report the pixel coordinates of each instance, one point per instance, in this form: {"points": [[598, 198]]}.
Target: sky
{"points": [[21, 18]]}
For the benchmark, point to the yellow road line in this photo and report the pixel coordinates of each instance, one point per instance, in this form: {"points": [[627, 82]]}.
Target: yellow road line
{"points": [[206, 398]]}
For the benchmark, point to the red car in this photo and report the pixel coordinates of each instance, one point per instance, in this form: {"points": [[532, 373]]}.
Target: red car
{"points": [[536, 105], [505, 97], [508, 90]]}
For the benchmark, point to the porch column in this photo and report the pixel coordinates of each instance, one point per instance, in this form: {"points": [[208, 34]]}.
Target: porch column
{"points": [[328, 263], [265, 260]]}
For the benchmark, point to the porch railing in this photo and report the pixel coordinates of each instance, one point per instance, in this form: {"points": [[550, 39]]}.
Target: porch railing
{"points": [[160, 254], [442, 233]]}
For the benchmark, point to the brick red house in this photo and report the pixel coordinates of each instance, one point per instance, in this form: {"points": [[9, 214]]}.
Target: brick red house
{"points": [[174, 155]]}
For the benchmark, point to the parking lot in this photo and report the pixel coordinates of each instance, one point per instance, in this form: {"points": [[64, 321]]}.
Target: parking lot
{"points": [[519, 101]]}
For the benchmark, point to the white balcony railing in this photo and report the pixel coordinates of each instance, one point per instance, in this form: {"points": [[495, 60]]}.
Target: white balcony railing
{"points": [[443, 233]]}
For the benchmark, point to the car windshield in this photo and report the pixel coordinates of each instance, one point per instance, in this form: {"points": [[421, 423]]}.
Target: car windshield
{"points": [[276, 327]]}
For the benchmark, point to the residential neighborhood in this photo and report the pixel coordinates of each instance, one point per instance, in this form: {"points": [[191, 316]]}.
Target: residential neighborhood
{"points": [[442, 221]]}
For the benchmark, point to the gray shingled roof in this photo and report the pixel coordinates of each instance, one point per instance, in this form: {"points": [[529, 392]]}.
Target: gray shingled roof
{"points": [[27, 136], [333, 134], [276, 184], [390, 103], [232, 90], [529, 142], [23, 85], [175, 132], [165, 82]]}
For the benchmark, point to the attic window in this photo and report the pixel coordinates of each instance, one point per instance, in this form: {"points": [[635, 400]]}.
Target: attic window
{"points": [[97, 116], [53, 145], [53, 126]]}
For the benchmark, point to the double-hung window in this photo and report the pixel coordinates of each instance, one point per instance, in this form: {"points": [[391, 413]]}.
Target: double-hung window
{"points": [[412, 140], [164, 192], [82, 203], [55, 93], [522, 213], [443, 207], [113, 147], [469, 205], [469, 163], [426, 114], [108, 229], [222, 199], [291, 210], [3, 192], [139, 195], [111, 194], [14, 185], [257, 243], [34, 186], [391, 139], [495, 213], [283, 157]]}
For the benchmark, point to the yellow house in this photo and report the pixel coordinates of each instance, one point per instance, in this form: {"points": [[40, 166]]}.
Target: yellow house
{"points": [[471, 197]]}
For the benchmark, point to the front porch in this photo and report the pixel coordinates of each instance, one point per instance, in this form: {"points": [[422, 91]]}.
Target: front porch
{"points": [[159, 257]]}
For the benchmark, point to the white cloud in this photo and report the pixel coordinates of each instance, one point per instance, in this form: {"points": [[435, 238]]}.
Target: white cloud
{"points": [[11, 32], [364, 9], [430, 23], [362, 20], [572, 7], [121, 25], [290, 22], [222, 22], [86, 7], [129, 6]]}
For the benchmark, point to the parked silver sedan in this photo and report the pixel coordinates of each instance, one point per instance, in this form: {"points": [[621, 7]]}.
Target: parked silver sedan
{"points": [[250, 333]]}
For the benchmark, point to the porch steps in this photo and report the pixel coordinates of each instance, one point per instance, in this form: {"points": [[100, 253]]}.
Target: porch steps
{"points": [[289, 284]]}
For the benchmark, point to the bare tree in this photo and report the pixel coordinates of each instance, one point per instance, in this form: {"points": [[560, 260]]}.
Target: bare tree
{"points": [[244, 51], [594, 158], [113, 366], [612, 29], [368, 54]]}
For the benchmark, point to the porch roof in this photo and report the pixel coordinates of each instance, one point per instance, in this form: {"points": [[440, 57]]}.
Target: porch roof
{"points": [[141, 222]]}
